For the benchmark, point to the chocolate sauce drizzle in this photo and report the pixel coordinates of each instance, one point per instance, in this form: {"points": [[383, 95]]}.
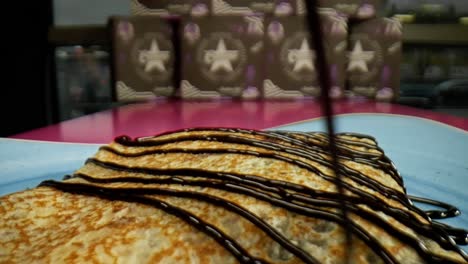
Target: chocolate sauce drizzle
{"points": [[284, 189], [450, 210], [290, 196], [231, 245]]}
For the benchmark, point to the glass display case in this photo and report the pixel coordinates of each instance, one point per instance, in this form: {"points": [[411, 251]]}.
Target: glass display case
{"points": [[436, 73], [83, 80], [428, 11]]}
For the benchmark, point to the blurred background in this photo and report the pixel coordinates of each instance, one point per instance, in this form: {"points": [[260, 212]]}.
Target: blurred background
{"points": [[59, 67]]}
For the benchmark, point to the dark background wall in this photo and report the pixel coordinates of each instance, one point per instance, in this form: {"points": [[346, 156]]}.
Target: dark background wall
{"points": [[26, 98], [23, 104]]}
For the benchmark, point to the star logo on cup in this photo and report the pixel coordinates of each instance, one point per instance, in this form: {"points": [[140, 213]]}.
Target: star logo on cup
{"points": [[358, 58], [221, 58], [302, 58], [153, 58]]}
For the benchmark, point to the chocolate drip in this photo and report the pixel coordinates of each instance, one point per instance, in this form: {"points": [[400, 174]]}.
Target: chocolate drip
{"points": [[459, 235], [450, 210], [231, 245]]}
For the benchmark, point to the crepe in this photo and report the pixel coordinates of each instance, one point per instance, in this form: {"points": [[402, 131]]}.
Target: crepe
{"points": [[226, 196]]}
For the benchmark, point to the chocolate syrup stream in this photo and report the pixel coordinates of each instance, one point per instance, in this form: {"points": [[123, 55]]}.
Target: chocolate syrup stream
{"points": [[314, 24], [231, 245]]}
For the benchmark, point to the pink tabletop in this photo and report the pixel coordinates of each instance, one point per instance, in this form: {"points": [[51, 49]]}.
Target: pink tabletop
{"points": [[155, 117]]}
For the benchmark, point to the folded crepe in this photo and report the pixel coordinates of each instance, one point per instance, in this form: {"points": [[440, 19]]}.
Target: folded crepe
{"points": [[226, 196]]}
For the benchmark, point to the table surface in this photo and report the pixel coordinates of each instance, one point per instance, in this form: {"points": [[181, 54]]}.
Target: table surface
{"points": [[150, 118]]}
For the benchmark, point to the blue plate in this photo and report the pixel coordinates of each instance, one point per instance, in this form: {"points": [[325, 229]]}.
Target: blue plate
{"points": [[25, 164], [431, 157]]}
